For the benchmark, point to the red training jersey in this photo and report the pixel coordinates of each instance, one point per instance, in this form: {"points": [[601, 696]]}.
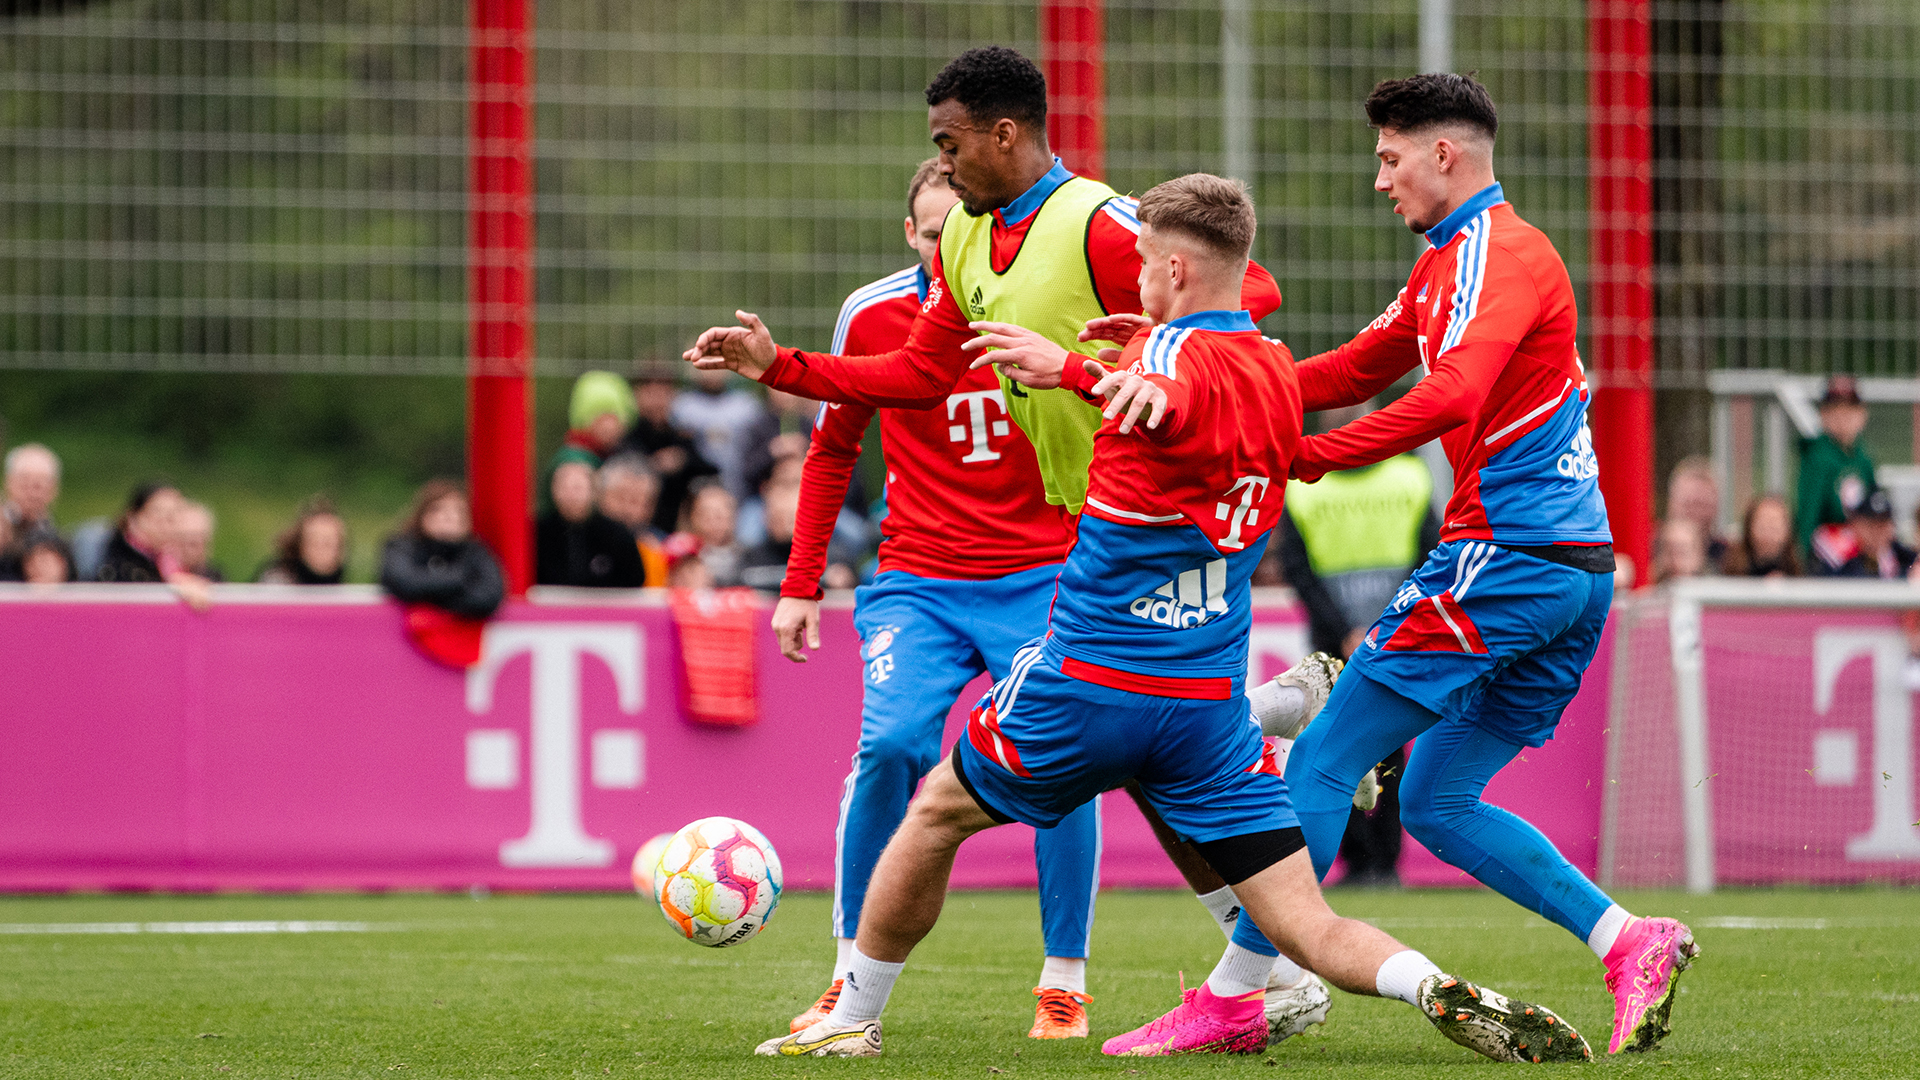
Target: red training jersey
{"points": [[964, 498], [1488, 314], [1154, 597], [920, 373]]}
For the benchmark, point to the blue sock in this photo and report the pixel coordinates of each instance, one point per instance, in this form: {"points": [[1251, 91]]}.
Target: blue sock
{"points": [[1068, 857], [1362, 724], [1440, 805]]}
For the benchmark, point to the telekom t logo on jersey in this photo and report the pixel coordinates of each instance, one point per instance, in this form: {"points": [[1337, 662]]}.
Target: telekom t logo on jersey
{"points": [[978, 422], [1243, 513]]}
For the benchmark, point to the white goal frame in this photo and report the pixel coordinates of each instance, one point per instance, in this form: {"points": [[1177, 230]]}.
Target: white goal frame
{"points": [[1687, 599]]}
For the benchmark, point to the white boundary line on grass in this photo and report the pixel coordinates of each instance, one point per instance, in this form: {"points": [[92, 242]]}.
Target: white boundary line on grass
{"points": [[293, 927]]}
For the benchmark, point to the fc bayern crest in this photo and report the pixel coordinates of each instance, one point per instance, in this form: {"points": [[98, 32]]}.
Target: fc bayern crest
{"points": [[881, 642]]}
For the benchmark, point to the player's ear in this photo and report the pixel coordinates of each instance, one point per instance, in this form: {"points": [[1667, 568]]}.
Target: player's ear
{"points": [[1005, 133], [912, 234]]}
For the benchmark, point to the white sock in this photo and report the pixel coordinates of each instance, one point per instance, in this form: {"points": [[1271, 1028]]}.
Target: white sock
{"points": [[1284, 972], [1282, 750], [1277, 707], [1223, 906], [1607, 930], [869, 983], [1240, 972], [1064, 973], [842, 955], [1400, 976]]}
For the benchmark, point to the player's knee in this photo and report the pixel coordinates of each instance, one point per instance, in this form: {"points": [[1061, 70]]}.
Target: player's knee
{"points": [[1429, 816]]}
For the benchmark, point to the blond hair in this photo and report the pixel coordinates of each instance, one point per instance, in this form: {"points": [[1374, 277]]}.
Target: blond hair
{"points": [[1212, 211], [926, 175]]}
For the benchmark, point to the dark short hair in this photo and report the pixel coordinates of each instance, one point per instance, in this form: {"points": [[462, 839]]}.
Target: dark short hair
{"points": [[1216, 212], [992, 82], [927, 174], [1419, 102]]}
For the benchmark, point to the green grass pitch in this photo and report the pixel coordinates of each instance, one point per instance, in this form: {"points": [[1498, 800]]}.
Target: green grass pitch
{"points": [[1792, 983]]}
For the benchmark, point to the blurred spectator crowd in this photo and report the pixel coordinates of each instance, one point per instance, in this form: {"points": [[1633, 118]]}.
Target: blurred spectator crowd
{"points": [[1839, 523], [655, 484], [659, 483]]}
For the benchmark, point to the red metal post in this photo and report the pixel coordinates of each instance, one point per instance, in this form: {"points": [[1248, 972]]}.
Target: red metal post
{"points": [[500, 282], [1620, 261], [1073, 36]]}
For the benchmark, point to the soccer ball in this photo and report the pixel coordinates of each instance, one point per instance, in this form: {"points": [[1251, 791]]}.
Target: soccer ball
{"points": [[644, 862], [718, 881]]}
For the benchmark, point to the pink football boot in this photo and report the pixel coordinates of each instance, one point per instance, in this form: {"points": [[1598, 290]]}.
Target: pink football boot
{"points": [[1201, 1024], [1643, 968]]}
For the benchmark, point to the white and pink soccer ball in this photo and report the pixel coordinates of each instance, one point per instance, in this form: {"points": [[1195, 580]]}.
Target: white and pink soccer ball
{"points": [[717, 881]]}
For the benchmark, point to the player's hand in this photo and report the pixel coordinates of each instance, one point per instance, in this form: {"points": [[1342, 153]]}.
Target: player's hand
{"points": [[796, 621], [1128, 395], [747, 348], [1115, 328], [1021, 354]]}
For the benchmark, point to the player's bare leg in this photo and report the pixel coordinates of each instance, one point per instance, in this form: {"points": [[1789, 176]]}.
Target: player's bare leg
{"points": [[1296, 999], [908, 889], [1285, 901]]}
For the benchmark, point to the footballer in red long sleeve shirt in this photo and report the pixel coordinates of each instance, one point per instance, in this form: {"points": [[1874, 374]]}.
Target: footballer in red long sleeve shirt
{"points": [[1479, 653], [967, 567]]}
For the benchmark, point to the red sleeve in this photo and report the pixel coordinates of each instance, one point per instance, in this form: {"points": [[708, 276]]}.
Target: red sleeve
{"points": [[1450, 395], [823, 489], [1074, 377], [1115, 265], [918, 375], [1259, 293], [1387, 349]]}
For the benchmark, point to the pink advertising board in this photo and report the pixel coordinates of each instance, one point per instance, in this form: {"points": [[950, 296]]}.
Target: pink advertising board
{"points": [[294, 740], [1810, 746]]}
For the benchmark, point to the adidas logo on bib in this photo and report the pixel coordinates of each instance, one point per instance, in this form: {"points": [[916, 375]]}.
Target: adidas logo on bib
{"points": [[1188, 600]]}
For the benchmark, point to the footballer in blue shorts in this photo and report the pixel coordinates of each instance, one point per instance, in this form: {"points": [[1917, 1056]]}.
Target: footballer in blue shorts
{"points": [[1141, 677], [1484, 647]]}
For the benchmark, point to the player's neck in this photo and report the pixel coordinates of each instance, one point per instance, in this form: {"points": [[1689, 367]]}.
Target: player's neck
{"points": [[1031, 166], [1192, 302], [1463, 188]]}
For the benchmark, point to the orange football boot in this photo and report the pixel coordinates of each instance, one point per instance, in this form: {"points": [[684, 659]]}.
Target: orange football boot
{"points": [[820, 1008], [1061, 1014]]}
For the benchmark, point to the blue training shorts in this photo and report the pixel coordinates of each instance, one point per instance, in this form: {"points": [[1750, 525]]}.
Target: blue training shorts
{"points": [[1492, 636], [1041, 743]]}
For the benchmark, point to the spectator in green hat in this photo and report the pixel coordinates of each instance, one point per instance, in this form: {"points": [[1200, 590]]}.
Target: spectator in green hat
{"points": [[599, 413]]}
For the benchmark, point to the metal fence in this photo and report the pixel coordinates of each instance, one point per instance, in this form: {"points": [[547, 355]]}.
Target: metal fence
{"points": [[278, 185]]}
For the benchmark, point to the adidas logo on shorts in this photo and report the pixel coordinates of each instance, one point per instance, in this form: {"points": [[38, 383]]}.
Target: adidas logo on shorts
{"points": [[1188, 600]]}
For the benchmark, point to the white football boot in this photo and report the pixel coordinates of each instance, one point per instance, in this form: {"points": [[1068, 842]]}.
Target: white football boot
{"points": [[1292, 1008], [1314, 677], [826, 1039]]}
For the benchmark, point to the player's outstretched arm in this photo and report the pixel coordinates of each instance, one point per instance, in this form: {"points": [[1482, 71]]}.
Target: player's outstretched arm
{"points": [[747, 348]]}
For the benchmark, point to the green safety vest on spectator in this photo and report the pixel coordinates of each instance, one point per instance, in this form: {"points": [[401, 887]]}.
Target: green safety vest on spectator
{"points": [[1363, 519]]}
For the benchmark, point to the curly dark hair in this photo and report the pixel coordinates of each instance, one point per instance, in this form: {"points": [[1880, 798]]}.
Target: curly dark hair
{"points": [[992, 82], [1420, 102]]}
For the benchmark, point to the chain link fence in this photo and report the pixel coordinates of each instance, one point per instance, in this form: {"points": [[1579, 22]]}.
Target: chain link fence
{"points": [[278, 185]]}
